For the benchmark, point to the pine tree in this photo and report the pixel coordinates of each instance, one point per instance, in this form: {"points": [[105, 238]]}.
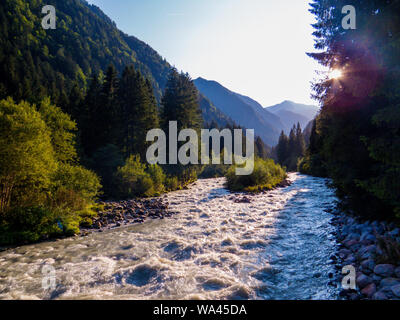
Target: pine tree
{"points": [[180, 103], [282, 148], [90, 121], [138, 112], [300, 142], [108, 110]]}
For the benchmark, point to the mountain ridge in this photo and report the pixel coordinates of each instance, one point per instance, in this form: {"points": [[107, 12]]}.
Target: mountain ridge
{"points": [[229, 103]]}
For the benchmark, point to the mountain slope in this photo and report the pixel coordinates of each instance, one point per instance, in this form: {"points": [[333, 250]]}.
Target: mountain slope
{"points": [[35, 63], [235, 107], [271, 119], [85, 41], [291, 113]]}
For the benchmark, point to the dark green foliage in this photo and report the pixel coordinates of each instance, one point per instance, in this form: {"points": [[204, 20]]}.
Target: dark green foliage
{"points": [[291, 149], [35, 63], [356, 137], [105, 162], [180, 103], [24, 225], [139, 112]]}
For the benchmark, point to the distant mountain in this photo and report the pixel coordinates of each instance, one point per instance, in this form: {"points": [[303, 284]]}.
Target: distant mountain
{"points": [[291, 113], [212, 114], [271, 119], [243, 110]]}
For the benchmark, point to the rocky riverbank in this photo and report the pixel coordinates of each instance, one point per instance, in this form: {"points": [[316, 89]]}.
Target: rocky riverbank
{"points": [[122, 213], [373, 248]]}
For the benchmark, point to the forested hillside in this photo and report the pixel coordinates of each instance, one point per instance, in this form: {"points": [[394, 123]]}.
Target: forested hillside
{"points": [[356, 138], [35, 63]]}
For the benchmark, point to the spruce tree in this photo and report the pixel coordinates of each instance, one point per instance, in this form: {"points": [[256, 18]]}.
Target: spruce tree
{"points": [[180, 103], [139, 112]]}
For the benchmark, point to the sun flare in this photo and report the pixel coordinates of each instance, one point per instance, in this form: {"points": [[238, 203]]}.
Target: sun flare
{"points": [[335, 74]]}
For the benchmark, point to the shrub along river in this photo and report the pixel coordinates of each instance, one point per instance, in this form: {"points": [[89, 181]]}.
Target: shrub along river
{"points": [[277, 246]]}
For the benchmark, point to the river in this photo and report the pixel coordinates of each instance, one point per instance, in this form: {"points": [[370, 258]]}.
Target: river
{"points": [[278, 246]]}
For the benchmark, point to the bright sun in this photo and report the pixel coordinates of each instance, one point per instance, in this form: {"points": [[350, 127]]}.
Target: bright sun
{"points": [[335, 74]]}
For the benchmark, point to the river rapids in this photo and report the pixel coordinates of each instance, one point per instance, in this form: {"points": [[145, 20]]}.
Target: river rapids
{"points": [[278, 246]]}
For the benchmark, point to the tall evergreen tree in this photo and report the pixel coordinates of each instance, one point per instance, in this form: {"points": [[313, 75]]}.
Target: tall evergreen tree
{"points": [[180, 103], [282, 148], [108, 110], [138, 112], [90, 123]]}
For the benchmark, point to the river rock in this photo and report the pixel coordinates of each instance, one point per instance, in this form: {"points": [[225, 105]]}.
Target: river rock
{"points": [[350, 243], [389, 282], [363, 281], [384, 270], [350, 260], [369, 290], [353, 236], [379, 296], [396, 290], [343, 253], [368, 265], [397, 272], [377, 279]]}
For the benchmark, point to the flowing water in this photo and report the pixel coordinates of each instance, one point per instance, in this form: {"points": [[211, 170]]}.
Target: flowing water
{"points": [[276, 247]]}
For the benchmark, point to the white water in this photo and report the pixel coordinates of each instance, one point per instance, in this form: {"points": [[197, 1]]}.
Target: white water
{"points": [[276, 247]]}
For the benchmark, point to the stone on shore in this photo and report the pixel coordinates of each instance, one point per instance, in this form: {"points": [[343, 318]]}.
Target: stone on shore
{"points": [[384, 270], [363, 281], [368, 265], [397, 272], [396, 290], [389, 282], [369, 290], [379, 296]]}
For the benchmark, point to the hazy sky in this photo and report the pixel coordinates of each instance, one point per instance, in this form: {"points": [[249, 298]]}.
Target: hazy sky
{"points": [[253, 47]]}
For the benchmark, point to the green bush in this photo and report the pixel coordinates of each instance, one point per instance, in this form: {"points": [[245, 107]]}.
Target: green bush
{"points": [[137, 179], [171, 183], [24, 225], [266, 175], [158, 178], [74, 191]]}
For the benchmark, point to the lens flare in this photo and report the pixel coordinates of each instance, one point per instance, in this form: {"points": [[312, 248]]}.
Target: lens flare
{"points": [[335, 74]]}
